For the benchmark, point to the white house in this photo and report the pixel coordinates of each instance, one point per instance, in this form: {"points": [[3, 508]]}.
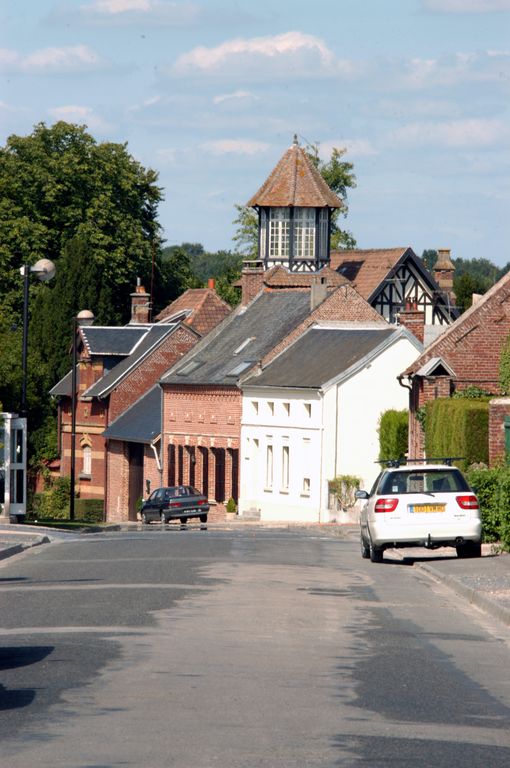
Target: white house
{"points": [[312, 414]]}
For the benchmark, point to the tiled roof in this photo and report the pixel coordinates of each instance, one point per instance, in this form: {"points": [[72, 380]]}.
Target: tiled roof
{"points": [[322, 355], [280, 277], [202, 307], [242, 339], [295, 182], [366, 269], [140, 423]]}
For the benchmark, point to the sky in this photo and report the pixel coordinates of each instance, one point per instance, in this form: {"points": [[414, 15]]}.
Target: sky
{"points": [[210, 93]]}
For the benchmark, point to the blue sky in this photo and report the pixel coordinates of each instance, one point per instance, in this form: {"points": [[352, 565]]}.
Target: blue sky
{"points": [[210, 93]]}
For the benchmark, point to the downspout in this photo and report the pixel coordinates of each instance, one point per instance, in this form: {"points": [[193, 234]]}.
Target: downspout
{"points": [[406, 386], [321, 485]]}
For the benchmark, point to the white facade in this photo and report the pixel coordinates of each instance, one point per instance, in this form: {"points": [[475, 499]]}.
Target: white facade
{"points": [[293, 441], [13, 465]]}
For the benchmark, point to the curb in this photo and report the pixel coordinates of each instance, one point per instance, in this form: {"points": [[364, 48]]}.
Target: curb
{"points": [[16, 549], [473, 596]]}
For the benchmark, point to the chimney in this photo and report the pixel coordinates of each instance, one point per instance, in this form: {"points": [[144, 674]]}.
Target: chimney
{"points": [[252, 280], [443, 272], [140, 305], [318, 292], [211, 284], [413, 319]]}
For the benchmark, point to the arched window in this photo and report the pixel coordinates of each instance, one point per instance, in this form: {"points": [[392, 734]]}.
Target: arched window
{"points": [[87, 460]]}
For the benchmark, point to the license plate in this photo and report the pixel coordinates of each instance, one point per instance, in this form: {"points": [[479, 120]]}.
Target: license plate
{"points": [[419, 508]]}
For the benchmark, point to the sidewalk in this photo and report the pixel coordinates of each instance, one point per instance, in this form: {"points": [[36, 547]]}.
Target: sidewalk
{"points": [[484, 582], [13, 540]]}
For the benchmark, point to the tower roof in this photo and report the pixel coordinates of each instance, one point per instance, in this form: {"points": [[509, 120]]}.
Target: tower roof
{"points": [[295, 182]]}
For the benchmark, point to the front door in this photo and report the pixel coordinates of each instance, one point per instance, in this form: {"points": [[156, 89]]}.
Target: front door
{"points": [[136, 451]]}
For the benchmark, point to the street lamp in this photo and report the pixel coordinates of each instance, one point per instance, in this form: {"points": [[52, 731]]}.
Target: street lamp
{"points": [[44, 269], [85, 317]]}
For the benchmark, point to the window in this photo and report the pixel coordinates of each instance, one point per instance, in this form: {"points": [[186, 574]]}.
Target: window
{"points": [[270, 406], [87, 460], [304, 233], [308, 410], [279, 228], [269, 467], [243, 345], [306, 487], [255, 407], [285, 468], [286, 408]]}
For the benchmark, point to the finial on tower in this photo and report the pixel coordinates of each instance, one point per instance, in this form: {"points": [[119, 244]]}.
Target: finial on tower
{"points": [[296, 142]]}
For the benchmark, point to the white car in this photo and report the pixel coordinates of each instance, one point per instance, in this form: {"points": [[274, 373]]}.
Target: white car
{"points": [[425, 505]]}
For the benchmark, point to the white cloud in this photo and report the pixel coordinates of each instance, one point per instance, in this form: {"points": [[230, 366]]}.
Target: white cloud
{"points": [[235, 96], [289, 54], [354, 147], [76, 58], [112, 12], [77, 114], [455, 133], [467, 6], [234, 147], [451, 70]]}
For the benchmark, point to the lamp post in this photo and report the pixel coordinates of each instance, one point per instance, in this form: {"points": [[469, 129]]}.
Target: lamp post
{"points": [[44, 269], [85, 317]]}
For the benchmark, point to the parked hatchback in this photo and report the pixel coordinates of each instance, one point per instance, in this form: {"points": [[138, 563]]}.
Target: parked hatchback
{"points": [[426, 505], [178, 502]]}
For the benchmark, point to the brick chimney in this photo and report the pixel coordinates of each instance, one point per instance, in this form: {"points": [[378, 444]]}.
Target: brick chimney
{"points": [[140, 305], [318, 291], [443, 272], [413, 319], [211, 284], [252, 280]]}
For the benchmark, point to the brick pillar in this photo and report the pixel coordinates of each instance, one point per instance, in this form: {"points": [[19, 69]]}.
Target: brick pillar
{"points": [[413, 319], [199, 468], [211, 456], [228, 473]]}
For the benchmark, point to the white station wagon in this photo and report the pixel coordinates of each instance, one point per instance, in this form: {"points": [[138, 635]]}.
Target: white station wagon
{"points": [[425, 505]]}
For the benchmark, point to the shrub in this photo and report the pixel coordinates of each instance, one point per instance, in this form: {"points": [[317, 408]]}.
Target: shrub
{"points": [[231, 506], [53, 503], [393, 434], [493, 490], [458, 427], [89, 510], [344, 488]]}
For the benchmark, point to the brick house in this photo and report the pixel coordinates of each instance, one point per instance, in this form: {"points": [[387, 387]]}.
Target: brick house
{"points": [[466, 354], [116, 366], [394, 280], [285, 291]]}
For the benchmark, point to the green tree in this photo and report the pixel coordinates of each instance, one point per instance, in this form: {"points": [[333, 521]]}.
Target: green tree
{"points": [[92, 209], [338, 174], [429, 258]]}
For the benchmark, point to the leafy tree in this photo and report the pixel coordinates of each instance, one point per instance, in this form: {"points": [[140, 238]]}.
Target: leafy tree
{"points": [[429, 258], [91, 208], [338, 174], [464, 287]]}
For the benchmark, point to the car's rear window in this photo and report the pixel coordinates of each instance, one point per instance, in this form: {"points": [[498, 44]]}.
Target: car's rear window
{"points": [[423, 481]]}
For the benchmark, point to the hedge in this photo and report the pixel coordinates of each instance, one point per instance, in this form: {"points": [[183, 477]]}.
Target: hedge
{"points": [[492, 487], [393, 434], [53, 503], [458, 427]]}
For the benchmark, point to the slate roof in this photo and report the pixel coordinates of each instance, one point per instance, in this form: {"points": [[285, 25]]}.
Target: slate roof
{"points": [[280, 277], [201, 308], [153, 337], [112, 341], [270, 317], [295, 182], [63, 388], [141, 422], [322, 355]]}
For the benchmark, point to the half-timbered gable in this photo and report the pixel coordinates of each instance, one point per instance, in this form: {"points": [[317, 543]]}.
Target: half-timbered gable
{"points": [[393, 280]]}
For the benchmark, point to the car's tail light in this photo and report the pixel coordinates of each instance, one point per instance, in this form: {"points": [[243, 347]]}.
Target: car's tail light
{"points": [[467, 502], [202, 501], [386, 505], [174, 504]]}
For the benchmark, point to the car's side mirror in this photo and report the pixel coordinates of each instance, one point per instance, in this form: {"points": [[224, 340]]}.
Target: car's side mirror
{"points": [[361, 495]]}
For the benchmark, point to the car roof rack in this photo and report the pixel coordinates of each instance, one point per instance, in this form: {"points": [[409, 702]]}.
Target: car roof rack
{"points": [[447, 460]]}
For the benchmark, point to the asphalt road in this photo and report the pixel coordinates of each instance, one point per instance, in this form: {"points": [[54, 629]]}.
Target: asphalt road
{"points": [[242, 649]]}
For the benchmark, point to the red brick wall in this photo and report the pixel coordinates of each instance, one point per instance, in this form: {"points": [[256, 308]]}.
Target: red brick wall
{"points": [[118, 482], [498, 409], [145, 375]]}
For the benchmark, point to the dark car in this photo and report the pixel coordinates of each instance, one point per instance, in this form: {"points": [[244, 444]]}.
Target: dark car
{"points": [[178, 502]]}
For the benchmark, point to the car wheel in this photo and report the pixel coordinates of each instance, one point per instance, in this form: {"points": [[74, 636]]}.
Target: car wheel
{"points": [[184, 520], [365, 549], [376, 554], [203, 518], [470, 549], [145, 519], [162, 517]]}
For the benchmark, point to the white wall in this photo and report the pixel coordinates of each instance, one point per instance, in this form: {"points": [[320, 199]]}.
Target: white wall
{"points": [[361, 400]]}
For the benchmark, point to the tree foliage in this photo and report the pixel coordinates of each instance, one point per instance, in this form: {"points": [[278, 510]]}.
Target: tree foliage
{"points": [[92, 209]]}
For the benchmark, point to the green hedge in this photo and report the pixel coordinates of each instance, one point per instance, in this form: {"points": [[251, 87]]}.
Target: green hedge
{"points": [[458, 427], [492, 487], [53, 504], [393, 434]]}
